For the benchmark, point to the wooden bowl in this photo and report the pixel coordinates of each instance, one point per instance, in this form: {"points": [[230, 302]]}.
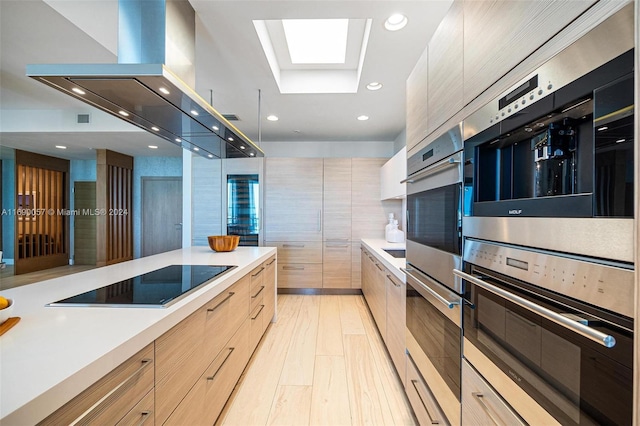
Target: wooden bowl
{"points": [[223, 242]]}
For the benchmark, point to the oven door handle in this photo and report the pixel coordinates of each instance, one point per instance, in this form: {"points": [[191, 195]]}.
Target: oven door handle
{"points": [[448, 303], [581, 329], [431, 170]]}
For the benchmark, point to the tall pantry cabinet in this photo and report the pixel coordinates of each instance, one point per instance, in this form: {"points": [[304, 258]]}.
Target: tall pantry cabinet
{"points": [[316, 212]]}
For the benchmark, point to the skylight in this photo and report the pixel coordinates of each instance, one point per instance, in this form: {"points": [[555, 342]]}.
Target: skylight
{"points": [[316, 41]]}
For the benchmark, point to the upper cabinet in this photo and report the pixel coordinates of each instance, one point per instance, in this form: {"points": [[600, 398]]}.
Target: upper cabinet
{"points": [[499, 34], [417, 103], [391, 174], [293, 199], [445, 90]]}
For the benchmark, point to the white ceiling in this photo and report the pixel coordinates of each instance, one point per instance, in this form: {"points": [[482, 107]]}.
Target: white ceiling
{"points": [[230, 64]]}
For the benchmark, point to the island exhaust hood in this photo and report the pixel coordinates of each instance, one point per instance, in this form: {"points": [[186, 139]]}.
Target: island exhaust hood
{"points": [[151, 85]]}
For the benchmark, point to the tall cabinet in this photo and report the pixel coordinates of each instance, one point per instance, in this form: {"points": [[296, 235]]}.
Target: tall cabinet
{"points": [[316, 212]]}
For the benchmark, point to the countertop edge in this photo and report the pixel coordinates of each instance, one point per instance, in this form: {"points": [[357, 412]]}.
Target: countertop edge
{"points": [[393, 264]]}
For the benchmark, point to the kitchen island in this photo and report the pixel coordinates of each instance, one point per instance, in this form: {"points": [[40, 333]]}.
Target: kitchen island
{"points": [[55, 353]]}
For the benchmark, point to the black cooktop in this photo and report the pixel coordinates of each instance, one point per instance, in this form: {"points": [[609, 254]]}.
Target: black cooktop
{"points": [[155, 289]]}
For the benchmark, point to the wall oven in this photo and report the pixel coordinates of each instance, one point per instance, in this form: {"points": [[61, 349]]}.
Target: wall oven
{"points": [[558, 328], [433, 249], [559, 144]]}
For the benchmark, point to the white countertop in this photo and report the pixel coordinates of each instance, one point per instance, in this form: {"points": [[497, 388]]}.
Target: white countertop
{"points": [[393, 264], [54, 353]]}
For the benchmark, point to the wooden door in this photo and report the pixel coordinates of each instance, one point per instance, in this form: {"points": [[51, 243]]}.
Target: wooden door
{"points": [[84, 225], [161, 214], [42, 218]]}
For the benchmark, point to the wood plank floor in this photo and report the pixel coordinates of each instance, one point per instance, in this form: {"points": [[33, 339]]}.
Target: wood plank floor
{"points": [[322, 363], [9, 280]]}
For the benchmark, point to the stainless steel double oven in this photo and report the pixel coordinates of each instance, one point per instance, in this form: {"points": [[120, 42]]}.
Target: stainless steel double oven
{"points": [[434, 294], [548, 238]]}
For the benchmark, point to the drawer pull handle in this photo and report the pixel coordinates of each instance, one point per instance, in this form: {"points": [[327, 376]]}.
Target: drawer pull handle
{"points": [[223, 362], [480, 397], [231, 293], [330, 245], [258, 293], [258, 314], [146, 415], [293, 245], [393, 281], [379, 268], [336, 239], [433, 421], [258, 273], [93, 410], [293, 268], [271, 263]]}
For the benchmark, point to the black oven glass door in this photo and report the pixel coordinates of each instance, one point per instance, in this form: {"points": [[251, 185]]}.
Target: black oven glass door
{"points": [[575, 379], [434, 218], [438, 336]]}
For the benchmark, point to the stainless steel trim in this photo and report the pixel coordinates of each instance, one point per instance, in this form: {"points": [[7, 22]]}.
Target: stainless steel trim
{"points": [[223, 362], [480, 398], [444, 300], [258, 314], [605, 238], [607, 284], [581, 329], [611, 38], [444, 164], [439, 146], [145, 363], [258, 293], [393, 281], [448, 303], [231, 293], [436, 263], [426, 409]]}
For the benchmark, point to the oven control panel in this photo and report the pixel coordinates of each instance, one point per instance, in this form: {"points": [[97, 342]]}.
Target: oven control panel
{"points": [[604, 285]]}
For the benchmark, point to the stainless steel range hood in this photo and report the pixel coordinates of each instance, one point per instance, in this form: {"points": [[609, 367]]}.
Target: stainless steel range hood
{"points": [[150, 86]]}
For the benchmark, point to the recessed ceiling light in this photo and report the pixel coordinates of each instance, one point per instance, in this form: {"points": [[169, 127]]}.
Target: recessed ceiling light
{"points": [[61, 147], [196, 149], [230, 139], [163, 90], [395, 22], [316, 41], [194, 112], [123, 113], [155, 129], [620, 140], [363, 117], [242, 147], [374, 86], [272, 117], [178, 140], [79, 91], [216, 128], [600, 129], [251, 154], [153, 146], [210, 155]]}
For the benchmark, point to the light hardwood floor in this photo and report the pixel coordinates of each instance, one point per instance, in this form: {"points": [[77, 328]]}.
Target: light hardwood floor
{"points": [[322, 363]]}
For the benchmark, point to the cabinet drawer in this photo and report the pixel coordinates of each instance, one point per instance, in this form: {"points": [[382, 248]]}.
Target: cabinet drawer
{"points": [[224, 314], [257, 286], [141, 414], [301, 275], [481, 404], [257, 326], [269, 296], [336, 268], [109, 399], [422, 400], [396, 323], [207, 398], [298, 252]]}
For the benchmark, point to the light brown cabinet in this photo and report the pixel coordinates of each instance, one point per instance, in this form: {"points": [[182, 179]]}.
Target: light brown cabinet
{"points": [[417, 91], [120, 396], [269, 297], [445, 77], [374, 291], [396, 322]]}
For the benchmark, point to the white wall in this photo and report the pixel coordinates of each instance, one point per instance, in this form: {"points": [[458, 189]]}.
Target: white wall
{"points": [[346, 149]]}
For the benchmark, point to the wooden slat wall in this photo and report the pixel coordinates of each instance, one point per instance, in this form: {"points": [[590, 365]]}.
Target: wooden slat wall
{"points": [[42, 239], [114, 201]]}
